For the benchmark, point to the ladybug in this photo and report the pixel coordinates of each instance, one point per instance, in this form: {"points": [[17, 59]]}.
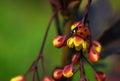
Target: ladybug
{"points": [[80, 30]]}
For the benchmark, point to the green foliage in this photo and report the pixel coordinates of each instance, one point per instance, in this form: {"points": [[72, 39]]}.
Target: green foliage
{"points": [[22, 27]]}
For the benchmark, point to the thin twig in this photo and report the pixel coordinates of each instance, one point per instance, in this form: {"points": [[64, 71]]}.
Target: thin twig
{"points": [[58, 28], [40, 57], [33, 76], [43, 43], [86, 12], [37, 74]]}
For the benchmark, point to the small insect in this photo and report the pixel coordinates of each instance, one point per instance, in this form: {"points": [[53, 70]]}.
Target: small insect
{"points": [[79, 29]]}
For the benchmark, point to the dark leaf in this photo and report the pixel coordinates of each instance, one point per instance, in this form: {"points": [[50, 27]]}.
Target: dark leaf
{"points": [[99, 14], [111, 48]]}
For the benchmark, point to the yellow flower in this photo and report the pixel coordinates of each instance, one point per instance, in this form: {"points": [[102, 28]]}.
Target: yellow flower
{"points": [[18, 78], [76, 42], [70, 42], [84, 45]]}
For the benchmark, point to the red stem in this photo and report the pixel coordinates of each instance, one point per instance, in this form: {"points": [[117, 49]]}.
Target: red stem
{"points": [[86, 12]]}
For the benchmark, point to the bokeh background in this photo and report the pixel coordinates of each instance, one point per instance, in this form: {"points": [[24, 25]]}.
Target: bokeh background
{"points": [[22, 27]]}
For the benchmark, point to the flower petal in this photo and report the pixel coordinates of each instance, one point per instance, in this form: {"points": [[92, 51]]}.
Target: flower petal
{"points": [[78, 41], [70, 42], [84, 45], [18, 78]]}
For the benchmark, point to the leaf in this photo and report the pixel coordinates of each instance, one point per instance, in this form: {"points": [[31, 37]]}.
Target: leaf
{"points": [[99, 14], [111, 48], [111, 34]]}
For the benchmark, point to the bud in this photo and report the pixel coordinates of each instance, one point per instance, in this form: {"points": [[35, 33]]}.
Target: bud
{"points": [[68, 71], [100, 76], [46, 78], [57, 74], [93, 55], [75, 59], [85, 46], [58, 41], [97, 46], [18, 78]]}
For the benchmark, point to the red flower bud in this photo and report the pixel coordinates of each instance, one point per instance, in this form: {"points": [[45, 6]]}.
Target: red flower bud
{"points": [[46, 78], [18, 78], [97, 46], [57, 74], [75, 58], [68, 71], [94, 55], [58, 41], [100, 76]]}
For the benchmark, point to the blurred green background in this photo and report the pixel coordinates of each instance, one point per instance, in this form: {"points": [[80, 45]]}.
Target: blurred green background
{"points": [[22, 27]]}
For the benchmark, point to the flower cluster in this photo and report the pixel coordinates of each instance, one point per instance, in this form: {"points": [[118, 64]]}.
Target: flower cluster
{"points": [[78, 42], [79, 39], [67, 72]]}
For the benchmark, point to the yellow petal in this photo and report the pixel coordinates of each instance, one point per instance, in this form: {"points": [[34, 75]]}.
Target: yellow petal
{"points": [[70, 42], [18, 78], [84, 45], [97, 46], [78, 41]]}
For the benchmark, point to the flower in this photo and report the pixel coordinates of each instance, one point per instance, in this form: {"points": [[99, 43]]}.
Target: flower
{"points": [[18, 78], [46, 78], [57, 74], [58, 41], [85, 45], [68, 71], [100, 76], [97, 46], [76, 42], [93, 55]]}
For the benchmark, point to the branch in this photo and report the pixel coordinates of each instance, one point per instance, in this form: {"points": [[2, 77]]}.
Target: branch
{"points": [[86, 12], [40, 56]]}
